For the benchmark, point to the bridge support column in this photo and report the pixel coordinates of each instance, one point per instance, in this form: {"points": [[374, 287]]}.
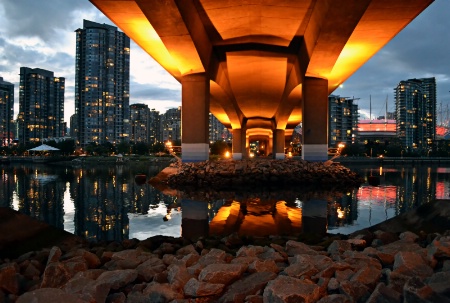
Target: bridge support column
{"points": [[195, 219], [270, 145], [278, 144], [314, 216], [195, 118], [315, 119], [238, 145]]}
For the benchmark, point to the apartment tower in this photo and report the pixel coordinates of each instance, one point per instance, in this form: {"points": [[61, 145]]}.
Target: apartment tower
{"points": [[6, 112], [102, 84], [343, 120], [415, 108], [41, 105], [140, 123]]}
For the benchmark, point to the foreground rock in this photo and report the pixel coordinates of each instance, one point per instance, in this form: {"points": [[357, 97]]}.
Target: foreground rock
{"points": [[390, 267], [385, 263], [244, 173]]}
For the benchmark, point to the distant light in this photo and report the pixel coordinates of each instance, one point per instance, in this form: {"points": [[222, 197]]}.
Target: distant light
{"points": [[341, 86], [227, 154], [340, 212]]}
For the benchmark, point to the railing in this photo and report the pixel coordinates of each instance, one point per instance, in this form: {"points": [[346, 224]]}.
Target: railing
{"points": [[394, 160]]}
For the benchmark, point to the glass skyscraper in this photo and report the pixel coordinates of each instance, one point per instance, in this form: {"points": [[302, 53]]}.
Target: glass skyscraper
{"points": [[102, 84], [6, 112], [140, 123], [343, 120], [41, 105], [415, 108]]}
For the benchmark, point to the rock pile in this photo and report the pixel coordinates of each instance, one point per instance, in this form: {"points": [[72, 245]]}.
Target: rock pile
{"points": [[368, 267], [249, 172]]}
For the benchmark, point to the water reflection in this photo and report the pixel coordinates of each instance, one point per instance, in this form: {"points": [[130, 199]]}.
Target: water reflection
{"points": [[107, 203]]}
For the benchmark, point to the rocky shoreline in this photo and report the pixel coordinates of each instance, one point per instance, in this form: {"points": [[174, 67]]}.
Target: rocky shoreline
{"points": [[263, 172], [382, 264]]}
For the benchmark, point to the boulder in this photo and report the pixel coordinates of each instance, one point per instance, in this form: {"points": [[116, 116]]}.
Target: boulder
{"points": [[46, 295], [195, 288], [222, 273], [289, 289], [116, 279], [249, 285]]}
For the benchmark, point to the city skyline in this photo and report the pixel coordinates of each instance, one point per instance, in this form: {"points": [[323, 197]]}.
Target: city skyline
{"points": [[26, 39]]}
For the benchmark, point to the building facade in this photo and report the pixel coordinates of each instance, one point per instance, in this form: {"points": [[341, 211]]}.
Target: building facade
{"points": [[41, 105], [343, 120], [6, 112], [140, 123], [102, 84], [415, 109], [170, 129], [74, 126], [217, 131], [155, 127]]}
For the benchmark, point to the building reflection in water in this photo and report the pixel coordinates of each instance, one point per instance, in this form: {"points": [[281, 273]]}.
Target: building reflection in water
{"points": [[105, 203]]}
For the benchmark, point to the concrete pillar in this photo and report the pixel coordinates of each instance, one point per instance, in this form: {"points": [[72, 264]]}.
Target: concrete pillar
{"points": [[314, 216], [194, 219], [238, 144], [195, 118], [278, 144], [270, 145], [315, 119], [247, 145]]}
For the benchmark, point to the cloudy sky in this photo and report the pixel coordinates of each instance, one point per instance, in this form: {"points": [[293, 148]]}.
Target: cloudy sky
{"points": [[41, 34]]}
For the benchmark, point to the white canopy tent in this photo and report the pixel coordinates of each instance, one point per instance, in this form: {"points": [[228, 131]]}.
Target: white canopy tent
{"points": [[43, 147]]}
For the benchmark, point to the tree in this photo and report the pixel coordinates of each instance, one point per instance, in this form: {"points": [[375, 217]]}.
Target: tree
{"points": [[355, 149], [67, 147], [394, 148], [123, 147], [157, 147], [141, 148], [91, 148], [108, 147]]}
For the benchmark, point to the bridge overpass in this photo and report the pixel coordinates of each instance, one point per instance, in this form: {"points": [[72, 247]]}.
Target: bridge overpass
{"points": [[260, 66]]}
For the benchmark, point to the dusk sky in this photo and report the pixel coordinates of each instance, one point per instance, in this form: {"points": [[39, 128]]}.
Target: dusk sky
{"points": [[41, 34]]}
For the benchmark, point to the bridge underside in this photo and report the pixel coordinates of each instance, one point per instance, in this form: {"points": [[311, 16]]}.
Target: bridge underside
{"points": [[260, 66]]}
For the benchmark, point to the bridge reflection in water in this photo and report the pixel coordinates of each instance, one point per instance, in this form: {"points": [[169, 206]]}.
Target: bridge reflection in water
{"points": [[105, 203], [253, 216]]}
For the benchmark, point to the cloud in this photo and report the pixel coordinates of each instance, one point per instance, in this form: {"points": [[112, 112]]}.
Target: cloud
{"points": [[421, 50], [41, 34], [42, 19], [155, 92]]}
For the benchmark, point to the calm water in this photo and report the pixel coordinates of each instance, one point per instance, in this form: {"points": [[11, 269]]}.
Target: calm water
{"points": [[104, 202]]}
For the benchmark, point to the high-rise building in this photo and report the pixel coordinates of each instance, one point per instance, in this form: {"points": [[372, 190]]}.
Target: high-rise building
{"points": [[102, 81], [6, 112], [155, 125], [74, 126], [140, 123], [41, 105], [217, 131], [170, 128], [415, 108], [343, 120]]}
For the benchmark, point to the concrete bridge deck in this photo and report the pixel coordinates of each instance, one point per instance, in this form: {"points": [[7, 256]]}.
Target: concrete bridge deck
{"points": [[260, 66]]}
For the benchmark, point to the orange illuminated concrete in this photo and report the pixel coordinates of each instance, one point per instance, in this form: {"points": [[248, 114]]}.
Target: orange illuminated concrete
{"points": [[257, 55]]}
